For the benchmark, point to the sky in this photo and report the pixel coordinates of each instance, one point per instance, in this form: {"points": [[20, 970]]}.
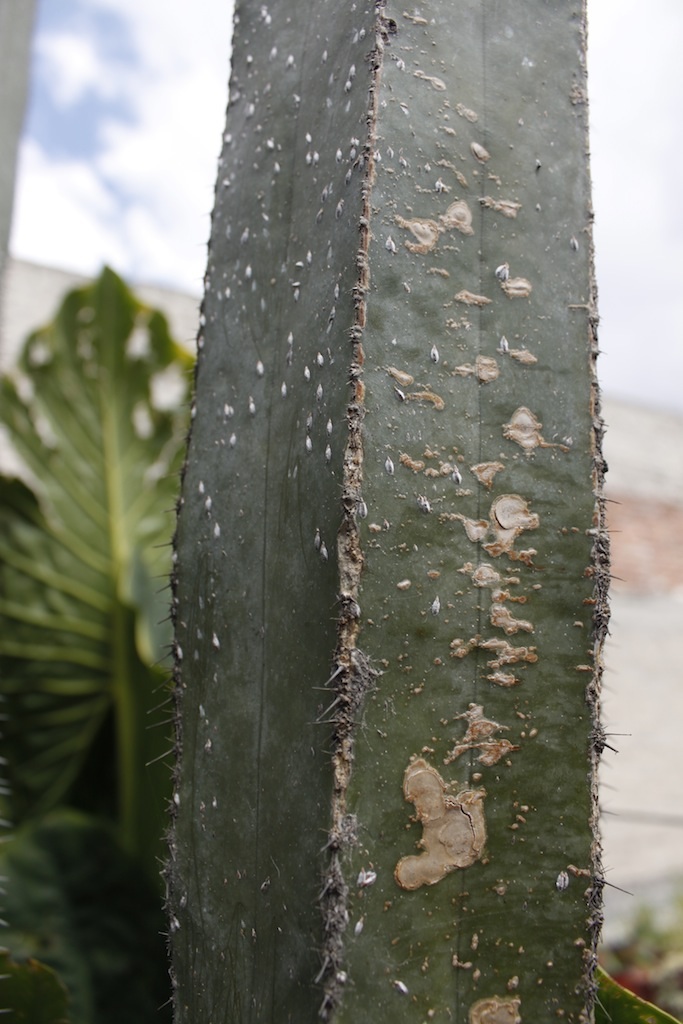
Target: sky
{"points": [[123, 129]]}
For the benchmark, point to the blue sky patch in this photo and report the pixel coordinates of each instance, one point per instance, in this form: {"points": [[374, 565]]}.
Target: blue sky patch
{"points": [[73, 130]]}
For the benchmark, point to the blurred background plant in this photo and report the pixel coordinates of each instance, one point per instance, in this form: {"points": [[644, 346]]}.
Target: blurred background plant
{"points": [[95, 415], [648, 959]]}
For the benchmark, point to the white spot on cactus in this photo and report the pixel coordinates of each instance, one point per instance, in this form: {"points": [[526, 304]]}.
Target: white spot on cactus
{"points": [[402, 377], [479, 152]]}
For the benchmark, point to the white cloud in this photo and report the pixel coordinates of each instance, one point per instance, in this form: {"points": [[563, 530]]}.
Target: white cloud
{"points": [[64, 216], [71, 64], [153, 172]]}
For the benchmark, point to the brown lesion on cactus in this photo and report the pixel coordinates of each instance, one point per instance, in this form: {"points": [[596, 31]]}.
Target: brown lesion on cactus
{"points": [[471, 298], [505, 653], [502, 617], [516, 287], [485, 576], [426, 396], [523, 355], [470, 115], [486, 471], [458, 216], [415, 465], [481, 735], [507, 207], [485, 369], [525, 430], [425, 231], [509, 516], [496, 1010], [453, 827], [436, 83]]}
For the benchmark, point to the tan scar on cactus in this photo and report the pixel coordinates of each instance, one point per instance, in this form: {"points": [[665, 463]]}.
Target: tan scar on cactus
{"points": [[495, 1010], [453, 827]]}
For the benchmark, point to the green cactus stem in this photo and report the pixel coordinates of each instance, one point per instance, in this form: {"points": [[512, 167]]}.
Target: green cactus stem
{"points": [[391, 571]]}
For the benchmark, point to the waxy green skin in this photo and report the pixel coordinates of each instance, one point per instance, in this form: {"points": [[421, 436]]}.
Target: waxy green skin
{"points": [[348, 125]]}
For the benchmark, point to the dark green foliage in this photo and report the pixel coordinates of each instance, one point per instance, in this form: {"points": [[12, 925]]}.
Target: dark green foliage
{"points": [[33, 992], [77, 903], [616, 1005]]}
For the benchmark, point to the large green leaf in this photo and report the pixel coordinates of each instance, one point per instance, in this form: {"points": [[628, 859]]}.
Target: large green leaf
{"points": [[616, 1005], [79, 904], [84, 554], [31, 992]]}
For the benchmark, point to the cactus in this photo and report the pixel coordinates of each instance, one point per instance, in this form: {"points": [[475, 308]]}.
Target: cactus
{"points": [[391, 562]]}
